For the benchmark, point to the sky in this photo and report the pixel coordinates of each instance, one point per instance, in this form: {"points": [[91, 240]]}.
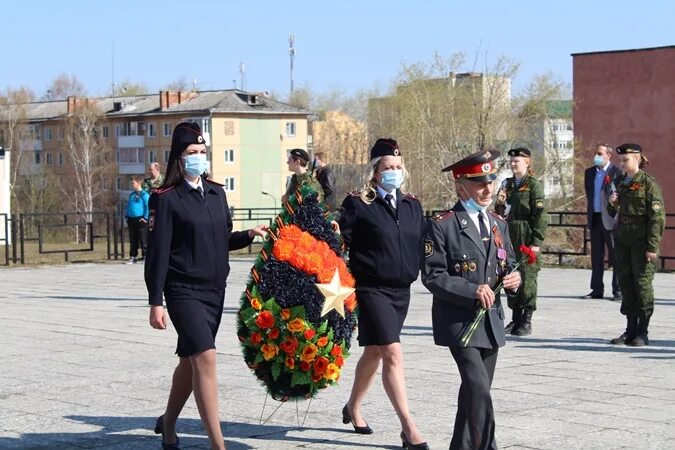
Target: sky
{"points": [[345, 45]]}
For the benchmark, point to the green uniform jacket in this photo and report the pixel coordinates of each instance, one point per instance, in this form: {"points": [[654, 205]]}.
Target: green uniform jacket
{"points": [[527, 217], [148, 185], [641, 210], [304, 179]]}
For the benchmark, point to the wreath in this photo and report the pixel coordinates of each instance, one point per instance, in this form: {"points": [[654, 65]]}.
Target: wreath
{"points": [[298, 311]]}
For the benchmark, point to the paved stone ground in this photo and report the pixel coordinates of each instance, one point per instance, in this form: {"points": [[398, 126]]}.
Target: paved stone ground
{"points": [[81, 368]]}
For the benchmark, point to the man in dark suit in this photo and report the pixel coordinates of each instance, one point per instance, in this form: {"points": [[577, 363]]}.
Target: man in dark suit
{"points": [[466, 253], [599, 183]]}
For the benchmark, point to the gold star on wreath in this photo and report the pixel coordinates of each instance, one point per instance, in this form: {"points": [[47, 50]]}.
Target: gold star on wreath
{"points": [[335, 295]]}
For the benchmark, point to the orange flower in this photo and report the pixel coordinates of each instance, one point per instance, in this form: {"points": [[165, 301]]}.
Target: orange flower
{"points": [[296, 325], [265, 320], [282, 250], [255, 338], [332, 372], [309, 333], [255, 303], [320, 365], [309, 353], [289, 345], [274, 333], [339, 361], [322, 342], [269, 351], [336, 350], [304, 366], [285, 313], [350, 302], [290, 362]]}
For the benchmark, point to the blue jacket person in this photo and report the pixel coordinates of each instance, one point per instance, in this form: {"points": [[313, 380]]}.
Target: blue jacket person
{"points": [[466, 252]]}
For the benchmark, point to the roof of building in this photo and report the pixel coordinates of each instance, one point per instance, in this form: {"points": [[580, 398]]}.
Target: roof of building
{"points": [[625, 51], [223, 101], [559, 109]]}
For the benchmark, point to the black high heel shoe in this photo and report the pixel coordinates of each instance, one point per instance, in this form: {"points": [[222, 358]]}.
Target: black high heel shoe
{"points": [[159, 429], [347, 418], [407, 445]]}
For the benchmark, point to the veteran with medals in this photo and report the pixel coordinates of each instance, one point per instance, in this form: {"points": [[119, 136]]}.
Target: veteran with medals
{"points": [[467, 251], [638, 202]]}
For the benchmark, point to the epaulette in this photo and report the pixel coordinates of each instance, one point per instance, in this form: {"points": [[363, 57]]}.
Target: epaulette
{"points": [[160, 191], [214, 182], [497, 216], [443, 215], [409, 195]]}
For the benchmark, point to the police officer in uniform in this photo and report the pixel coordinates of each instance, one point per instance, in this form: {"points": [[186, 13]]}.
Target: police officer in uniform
{"points": [[381, 226], [189, 237], [466, 253], [521, 201], [297, 163], [639, 204]]}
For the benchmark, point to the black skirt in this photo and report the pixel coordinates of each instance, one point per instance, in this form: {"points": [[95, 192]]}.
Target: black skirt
{"points": [[382, 311], [195, 314]]}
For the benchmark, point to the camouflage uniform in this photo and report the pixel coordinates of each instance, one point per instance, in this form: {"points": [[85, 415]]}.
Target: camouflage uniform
{"points": [[148, 184], [527, 225], [301, 180], [640, 225]]}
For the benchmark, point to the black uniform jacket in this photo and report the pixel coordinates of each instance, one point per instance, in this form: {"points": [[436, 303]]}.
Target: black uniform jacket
{"points": [[613, 172], [383, 242], [454, 264], [189, 237]]}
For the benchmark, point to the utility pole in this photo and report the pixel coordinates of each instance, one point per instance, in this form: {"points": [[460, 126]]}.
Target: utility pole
{"points": [[291, 54], [242, 75]]}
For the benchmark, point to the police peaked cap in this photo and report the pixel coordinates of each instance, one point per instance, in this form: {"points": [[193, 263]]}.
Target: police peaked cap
{"points": [[300, 153], [520, 151], [384, 147], [628, 148], [185, 134], [477, 167]]}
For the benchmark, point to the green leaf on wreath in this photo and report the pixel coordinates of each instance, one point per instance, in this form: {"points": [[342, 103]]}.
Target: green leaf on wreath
{"points": [[298, 311], [258, 358], [300, 378], [273, 306], [323, 327], [276, 370], [247, 314], [330, 334]]}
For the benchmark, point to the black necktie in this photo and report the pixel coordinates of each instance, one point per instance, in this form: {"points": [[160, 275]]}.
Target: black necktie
{"points": [[485, 236], [390, 200]]}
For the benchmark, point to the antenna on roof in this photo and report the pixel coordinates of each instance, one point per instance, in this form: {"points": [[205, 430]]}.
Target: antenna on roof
{"points": [[113, 70], [242, 75], [291, 54]]}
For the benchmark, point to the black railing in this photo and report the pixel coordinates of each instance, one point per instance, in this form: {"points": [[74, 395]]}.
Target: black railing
{"points": [[5, 222]]}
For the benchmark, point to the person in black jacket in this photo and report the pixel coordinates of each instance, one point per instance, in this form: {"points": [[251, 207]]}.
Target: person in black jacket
{"points": [[381, 226], [326, 178], [189, 237]]}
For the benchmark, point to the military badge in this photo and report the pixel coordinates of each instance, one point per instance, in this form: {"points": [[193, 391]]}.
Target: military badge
{"points": [[458, 268], [428, 248], [396, 152], [487, 155], [465, 267], [656, 206], [501, 254], [485, 168], [472, 266], [200, 139], [539, 204], [151, 220]]}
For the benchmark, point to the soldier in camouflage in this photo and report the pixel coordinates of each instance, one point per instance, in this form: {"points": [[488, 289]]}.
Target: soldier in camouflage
{"points": [[638, 202], [155, 180], [297, 163], [521, 201]]}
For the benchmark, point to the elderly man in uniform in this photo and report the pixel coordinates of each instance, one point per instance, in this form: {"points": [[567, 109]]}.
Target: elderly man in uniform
{"points": [[155, 180], [297, 163], [466, 253]]}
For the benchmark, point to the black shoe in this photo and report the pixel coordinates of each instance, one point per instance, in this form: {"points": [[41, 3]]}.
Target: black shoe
{"points": [[406, 444], [515, 319], [617, 297], [524, 327], [592, 295], [159, 429], [621, 340], [638, 341], [347, 418]]}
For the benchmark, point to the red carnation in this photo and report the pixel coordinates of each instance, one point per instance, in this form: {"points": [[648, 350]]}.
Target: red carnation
{"points": [[336, 350], [309, 333], [527, 251], [265, 320], [607, 180]]}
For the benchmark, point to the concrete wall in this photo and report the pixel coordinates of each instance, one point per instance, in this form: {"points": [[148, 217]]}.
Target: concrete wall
{"points": [[629, 96]]}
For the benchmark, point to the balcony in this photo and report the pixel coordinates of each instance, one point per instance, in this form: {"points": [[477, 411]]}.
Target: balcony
{"points": [[131, 168], [131, 141]]}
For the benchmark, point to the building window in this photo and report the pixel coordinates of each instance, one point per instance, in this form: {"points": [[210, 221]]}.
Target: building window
{"points": [[206, 125], [118, 183], [167, 129], [167, 153], [229, 184], [151, 130], [37, 157], [60, 159], [49, 159], [229, 156], [117, 130], [229, 127], [152, 156], [60, 134], [290, 129], [131, 156], [105, 132], [48, 134]]}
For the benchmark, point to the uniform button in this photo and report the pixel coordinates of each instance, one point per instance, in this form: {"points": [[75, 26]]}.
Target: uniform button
{"points": [[463, 256], [489, 279], [489, 264]]}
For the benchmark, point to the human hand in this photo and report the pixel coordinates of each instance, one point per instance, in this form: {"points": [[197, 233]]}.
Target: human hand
{"points": [[284, 198], [157, 317], [258, 230], [651, 256], [501, 196], [485, 296], [512, 281], [613, 198], [142, 220], [335, 226]]}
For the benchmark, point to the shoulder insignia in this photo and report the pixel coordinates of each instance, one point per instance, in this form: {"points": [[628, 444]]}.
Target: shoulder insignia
{"points": [[214, 182], [428, 248], [160, 191], [409, 195], [151, 220], [443, 215], [539, 203], [497, 216], [656, 205]]}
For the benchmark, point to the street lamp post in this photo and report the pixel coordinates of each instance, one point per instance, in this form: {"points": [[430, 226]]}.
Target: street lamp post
{"points": [[273, 198]]}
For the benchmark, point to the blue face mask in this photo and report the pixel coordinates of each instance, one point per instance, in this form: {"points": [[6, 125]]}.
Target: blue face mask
{"points": [[598, 161], [392, 179], [195, 165], [472, 205]]}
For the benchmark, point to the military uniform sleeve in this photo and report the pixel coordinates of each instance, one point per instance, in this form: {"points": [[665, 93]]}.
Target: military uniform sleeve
{"points": [[235, 239], [538, 217], [656, 218], [347, 220], [159, 247], [435, 271]]}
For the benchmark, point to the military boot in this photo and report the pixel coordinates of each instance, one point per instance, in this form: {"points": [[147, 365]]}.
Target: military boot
{"points": [[515, 319], [629, 334], [524, 327], [642, 330]]}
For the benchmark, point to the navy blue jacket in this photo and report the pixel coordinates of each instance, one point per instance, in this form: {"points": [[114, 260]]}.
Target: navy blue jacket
{"points": [[189, 237], [383, 243]]}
